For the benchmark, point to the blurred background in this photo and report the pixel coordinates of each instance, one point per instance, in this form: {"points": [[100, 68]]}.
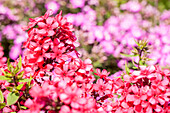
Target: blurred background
{"points": [[104, 28]]}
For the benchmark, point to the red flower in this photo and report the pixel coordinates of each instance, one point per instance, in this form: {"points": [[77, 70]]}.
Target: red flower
{"points": [[102, 74], [102, 88]]}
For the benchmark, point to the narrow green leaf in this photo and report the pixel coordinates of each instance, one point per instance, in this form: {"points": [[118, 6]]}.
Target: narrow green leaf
{"points": [[29, 83], [23, 107], [12, 98], [10, 89], [126, 68], [25, 80], [8, 74], [3, 71], [20, 62], [2, 105], [10, 81], [126, 55], [135, 67], [1, 97], [20, 75], [16, 70], [20, 86], [135, 51], [137, 43], [10, 67], [4, 78]]}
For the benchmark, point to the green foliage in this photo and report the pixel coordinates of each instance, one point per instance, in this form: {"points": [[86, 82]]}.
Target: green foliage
{"points": [[126, 55], [20, 75], [19, 86], [23, 107], [12, 98], [4, 78], [141, 51], [127, 68], [25, 80], [19, 65], [10, 89], [13, 75], [1, 97], [10, 67], [2, 105]]}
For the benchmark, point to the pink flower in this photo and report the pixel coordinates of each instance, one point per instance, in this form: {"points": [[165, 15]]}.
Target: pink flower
{"points": [[102, 88], [65, 71], [102, 74], [77, 3], [52, 5]]}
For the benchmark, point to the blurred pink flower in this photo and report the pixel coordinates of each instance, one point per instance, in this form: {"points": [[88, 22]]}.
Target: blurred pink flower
{"points": [[52, 5], [9, 32], [15, 51], [132, 6], [77, 3], [165, 15]]}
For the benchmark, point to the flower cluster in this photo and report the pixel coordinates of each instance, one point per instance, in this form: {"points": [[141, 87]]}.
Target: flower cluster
{"points": [[50, 39], [146, 90], [143, 91], [11, 33], [107, 27], [131, 21], [57, 79], [52, 78]]}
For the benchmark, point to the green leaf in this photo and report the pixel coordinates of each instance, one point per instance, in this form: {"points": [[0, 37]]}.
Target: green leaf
{"points": [[10, 67], [20, 75], [23, 107], [1, 97], [137, 43], [126, 68], [10, 81], [20, 62], [126, 55], [12, 98], [25, 80], [29, 83], [16, 70], [4, 78], [2, 105], [20, 86], [8, 74], [141, 62], [19, 65], [135, 67], [131, 83], [3, 71], [118, 96], [10, 89]]}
